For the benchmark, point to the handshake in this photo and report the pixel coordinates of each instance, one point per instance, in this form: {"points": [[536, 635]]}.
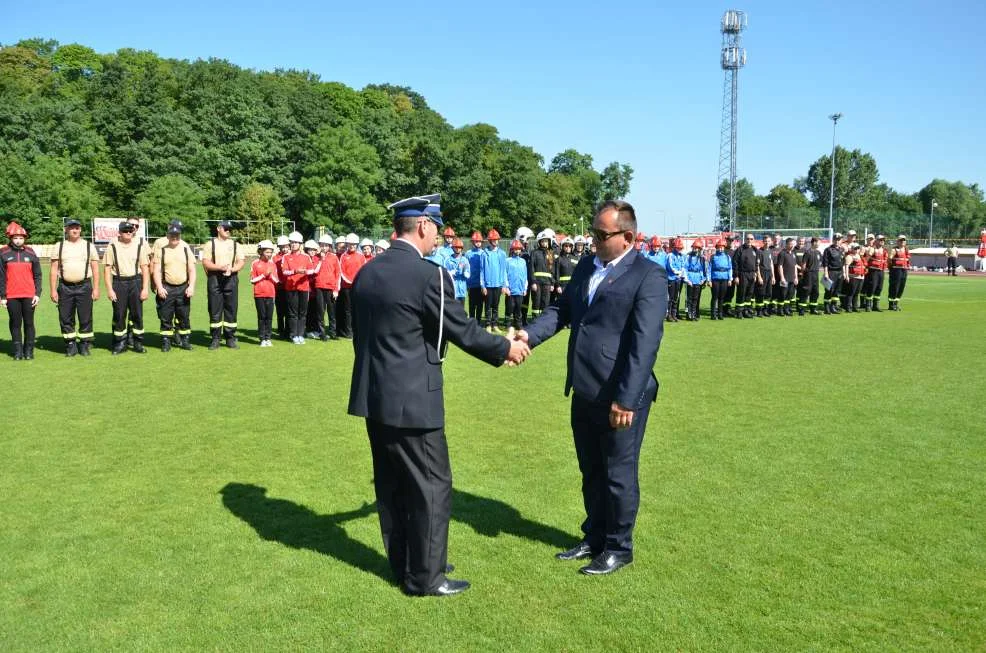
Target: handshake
{"points": [[519, 349]]}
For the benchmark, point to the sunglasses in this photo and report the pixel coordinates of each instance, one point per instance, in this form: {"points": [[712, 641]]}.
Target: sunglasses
{"points": [[599, 234]]}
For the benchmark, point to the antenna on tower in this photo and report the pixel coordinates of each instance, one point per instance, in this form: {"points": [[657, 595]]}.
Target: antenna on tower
{"points": [[733, 57]]}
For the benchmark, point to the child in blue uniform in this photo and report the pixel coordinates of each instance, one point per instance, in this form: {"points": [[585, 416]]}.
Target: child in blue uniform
{"points": [[696, 276], [516, 286]]}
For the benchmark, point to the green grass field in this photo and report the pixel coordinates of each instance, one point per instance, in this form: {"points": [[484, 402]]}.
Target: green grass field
{"points": [[812, 483]]}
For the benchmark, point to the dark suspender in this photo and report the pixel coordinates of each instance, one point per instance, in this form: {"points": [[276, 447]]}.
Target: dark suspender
{"points": [[61, 262], [116, 259], [186, 266]]}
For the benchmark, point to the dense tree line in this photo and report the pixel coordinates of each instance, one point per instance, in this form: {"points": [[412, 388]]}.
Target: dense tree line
{"points": [[860, 200], [129, 133]]}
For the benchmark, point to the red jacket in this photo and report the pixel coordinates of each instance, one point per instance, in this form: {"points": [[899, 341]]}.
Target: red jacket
{"points": [[298, 263], [329, 274], [20, 273], [351, 262], [266, 287]]}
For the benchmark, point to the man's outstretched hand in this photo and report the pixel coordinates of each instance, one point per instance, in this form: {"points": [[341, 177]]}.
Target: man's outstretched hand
{"points": [[519, 351], [521, 336]]}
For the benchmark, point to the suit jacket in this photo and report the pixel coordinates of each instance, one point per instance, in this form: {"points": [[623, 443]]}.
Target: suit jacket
{"points": [[397, 372], [614, 341]]}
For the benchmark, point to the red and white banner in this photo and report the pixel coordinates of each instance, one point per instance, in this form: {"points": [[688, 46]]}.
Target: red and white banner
{"points": [[106, 229]]}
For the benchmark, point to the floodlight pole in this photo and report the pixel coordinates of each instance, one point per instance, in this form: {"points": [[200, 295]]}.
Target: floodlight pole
{"points": [[931, 225], [835, 120]]}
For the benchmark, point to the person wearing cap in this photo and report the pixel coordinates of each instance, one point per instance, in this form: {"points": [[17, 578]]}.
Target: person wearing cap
{"points": [[439, 254], [280, 296], [382, 246], [20, 289], [787, 278], [328, 277], [542, 274], [296, 267], [174, 277], [951, 260], [152, 262], [516, 287], [832, 267], [720, 276], [615, 306], [404, 316], [460, 269], [475, 257], [222, 259], [74, 282], [349, 263], [146, 246], [696, 277], [876, 264], [727, 300], [263, 277], [900, 263], [746, 275], [565, 265], [126, 271], [811, 262], [855, 272], [493, 279], [764, 287], [675, 270]]}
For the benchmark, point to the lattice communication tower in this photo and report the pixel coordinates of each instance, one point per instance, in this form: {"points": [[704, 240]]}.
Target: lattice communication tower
{"points": [[733, 57]]}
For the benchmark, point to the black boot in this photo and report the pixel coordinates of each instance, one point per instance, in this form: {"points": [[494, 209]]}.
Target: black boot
{"points": [[119, 347], [214, 345], [18, 352], [85, 348], [166, 344], [875, 307], [184, 343], [232, 344], [71, 349], [29, 352], [138, 345]]}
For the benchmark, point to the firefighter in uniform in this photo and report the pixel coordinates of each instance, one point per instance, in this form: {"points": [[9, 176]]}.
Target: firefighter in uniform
{"points": [[174, 278], [727, 299], [126, 271], [745, 276], [696, 277], [721, 276], [20, 289], [764, 289], [565, 265], [222, 259], [832, 265], [787, 278], [900, 262], [525, 236], [542, 273], [876, 263], [74, 287], [808, 279], [475, 258], [675, 268], [855, 271]]}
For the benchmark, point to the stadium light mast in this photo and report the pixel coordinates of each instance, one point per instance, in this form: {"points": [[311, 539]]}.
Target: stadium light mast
{"points": [[835, 120], [931, 225], [732, 58]]}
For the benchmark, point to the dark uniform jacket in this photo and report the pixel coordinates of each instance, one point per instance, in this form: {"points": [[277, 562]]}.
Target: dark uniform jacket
{"points": [[542, 267], [832, 257], [745, 259], [397, 373], [614, 341]]}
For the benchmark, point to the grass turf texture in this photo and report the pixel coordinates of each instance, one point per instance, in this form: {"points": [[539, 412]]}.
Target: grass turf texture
{"points": [[807, 483]]}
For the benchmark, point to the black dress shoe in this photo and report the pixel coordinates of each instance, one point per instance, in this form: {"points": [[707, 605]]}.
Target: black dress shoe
{"points": [[580, 551], [448, 588], [606, 563]]}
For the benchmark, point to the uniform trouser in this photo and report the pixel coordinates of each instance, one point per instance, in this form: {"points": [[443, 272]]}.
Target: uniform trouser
{"points": [[727, 299], [75, 300], [873, 285], [855, 287], [694, 297], [222, 292], [514, 308], [493, 306], [744, 290], [832, 293], [951, 265], [541, 297], [173, 311], [898, 279], [265, 317], [608, 459], [412, 479], [325, 312], [344, 313], [297, 312], [281, 305], [476, 304], [719, 288], [21, 313], [780, 294], [787, 295], [674, 297], [808, 290], [762, 293], [525, 308], [128, 308]]}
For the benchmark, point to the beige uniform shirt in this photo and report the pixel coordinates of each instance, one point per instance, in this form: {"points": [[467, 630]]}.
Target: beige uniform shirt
{"points": [[73, 260], [131, 257], [222, 252], [174, 262]]}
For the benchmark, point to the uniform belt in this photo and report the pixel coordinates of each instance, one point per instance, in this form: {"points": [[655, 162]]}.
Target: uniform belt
{"points": [[73, 283], [831, 269], [175, 285], [123, 278]]}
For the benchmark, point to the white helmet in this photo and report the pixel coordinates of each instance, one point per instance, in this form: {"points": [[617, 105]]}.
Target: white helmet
{"points": [[523, 233], [283, 240], [579, 239], [365, 242], [568, 241], [588, 240], [325, 239], [266, 244], [542, 236], [352, 239], [311, 244], [295, 237], [340, 240], [548, 233], [383, 244]]}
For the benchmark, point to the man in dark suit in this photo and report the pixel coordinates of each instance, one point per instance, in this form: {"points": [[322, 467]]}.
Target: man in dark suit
{"points": [[404, 313], [615, 305]]}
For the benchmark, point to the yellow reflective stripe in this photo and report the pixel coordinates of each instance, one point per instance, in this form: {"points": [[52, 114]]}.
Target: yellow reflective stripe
{"points": [[564, 278], [184, 332], [85, 335], [231, 325], [70, 336], [120, 334], [168, 332], [542, 274], [215, 325], [138, 332]]}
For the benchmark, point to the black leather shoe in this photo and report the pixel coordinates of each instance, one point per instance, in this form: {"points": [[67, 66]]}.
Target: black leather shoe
{"points": [[448, 588], [231, 343], [606, 563], [138, 347], [214, 345], [580, 551], [71, 348], [84, 348], [119, 347]]}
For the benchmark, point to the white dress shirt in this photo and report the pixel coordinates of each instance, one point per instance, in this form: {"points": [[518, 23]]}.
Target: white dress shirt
{"points": [[601, 271]]}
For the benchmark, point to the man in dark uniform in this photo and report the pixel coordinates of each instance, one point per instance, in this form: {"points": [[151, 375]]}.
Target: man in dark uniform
{"points": [[74, 280], [808, 278], [542, 273], [745, 276], [127, 275], [727, 300], [764, 289], [832, 260], [404, 312], [222, 260], [787, 278]]}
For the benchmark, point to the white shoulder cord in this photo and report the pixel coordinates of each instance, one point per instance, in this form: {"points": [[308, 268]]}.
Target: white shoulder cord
{"points": [[441, 316]]}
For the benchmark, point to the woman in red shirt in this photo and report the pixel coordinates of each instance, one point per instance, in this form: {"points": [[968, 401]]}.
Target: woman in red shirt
{"points": [[263, 276], [20, 289], [296, 266]]}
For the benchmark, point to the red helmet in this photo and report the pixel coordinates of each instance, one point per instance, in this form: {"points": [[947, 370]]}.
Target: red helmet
{"points": [[678, 243], [516, 245], [655, 242], [14, 229], [476, 237], [449, 231], [720, 243], [698, 242], [457, 243], [493, 235], [641, 238]]}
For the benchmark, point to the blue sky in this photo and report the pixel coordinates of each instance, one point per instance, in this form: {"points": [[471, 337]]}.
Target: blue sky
{"points": [[631, 81]]}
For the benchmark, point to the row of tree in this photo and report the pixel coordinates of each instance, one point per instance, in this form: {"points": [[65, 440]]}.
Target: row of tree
{"points": [[129, 133], [860, 201]]}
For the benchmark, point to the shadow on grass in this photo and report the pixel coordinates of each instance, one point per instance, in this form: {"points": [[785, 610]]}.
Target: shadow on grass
{"points": [[490, 517], [296, 526]]}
